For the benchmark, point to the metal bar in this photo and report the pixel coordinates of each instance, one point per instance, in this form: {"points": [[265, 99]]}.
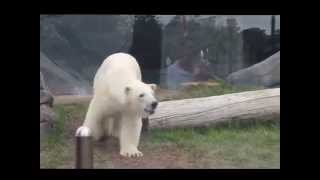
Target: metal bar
{"points": [[84, 149], [145, 125]]}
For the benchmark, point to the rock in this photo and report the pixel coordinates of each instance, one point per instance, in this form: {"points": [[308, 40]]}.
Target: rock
{"points": [[45, 95], [61, 80], [47, 116], [46, 98], [73, 46], [47, 120], [265, 73], [177, 75]]}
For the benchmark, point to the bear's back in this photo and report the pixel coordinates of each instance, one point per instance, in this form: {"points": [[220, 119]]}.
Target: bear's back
{"points": [[116, 71]]}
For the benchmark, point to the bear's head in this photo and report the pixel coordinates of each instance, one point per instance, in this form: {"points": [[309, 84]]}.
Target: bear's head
{"points": [[141, 97]]}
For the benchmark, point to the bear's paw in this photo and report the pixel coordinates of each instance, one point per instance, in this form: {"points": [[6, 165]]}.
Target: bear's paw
{"points": [[131, 153]]}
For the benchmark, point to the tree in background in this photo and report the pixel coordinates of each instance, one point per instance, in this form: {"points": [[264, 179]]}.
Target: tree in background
{"points": [[146, 46], [254, 45], [273, 28], [222, 44], [232, 41]]}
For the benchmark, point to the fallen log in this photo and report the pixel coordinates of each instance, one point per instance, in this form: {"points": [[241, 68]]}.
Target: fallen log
{"points": [[72, 99], [207, 110], [210, 110]]}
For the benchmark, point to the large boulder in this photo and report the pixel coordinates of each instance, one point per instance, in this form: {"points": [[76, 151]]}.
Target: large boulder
{"points": [[73, 46], [46, 98], [47, 116], [265, 73], [176, 75]]}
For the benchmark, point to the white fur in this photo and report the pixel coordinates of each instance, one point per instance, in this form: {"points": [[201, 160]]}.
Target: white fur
{"points": [[116, 108]]}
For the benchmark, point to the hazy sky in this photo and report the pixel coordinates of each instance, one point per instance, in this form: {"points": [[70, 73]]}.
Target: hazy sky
{"points": [[245, 21]]}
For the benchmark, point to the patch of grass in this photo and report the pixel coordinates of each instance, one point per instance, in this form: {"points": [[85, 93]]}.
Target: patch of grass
{"points": [[249, 144], [202, 90], [55, 150], [57, 134], [230, 145], [66, 116], [56, 154], [222, 88]]}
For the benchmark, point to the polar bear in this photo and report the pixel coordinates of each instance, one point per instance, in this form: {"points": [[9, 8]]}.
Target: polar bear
{"points": [[120, 101]]}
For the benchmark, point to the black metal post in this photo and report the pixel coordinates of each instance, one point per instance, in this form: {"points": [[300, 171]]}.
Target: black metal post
{"points": [[84, 149], [145, 125]]}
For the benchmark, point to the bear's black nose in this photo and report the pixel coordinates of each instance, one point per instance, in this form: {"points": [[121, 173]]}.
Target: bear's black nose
{"points": [[154, 105]]}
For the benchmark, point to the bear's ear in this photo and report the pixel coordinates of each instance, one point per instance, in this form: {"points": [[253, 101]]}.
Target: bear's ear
{"points": [[153, 86], [127, 90]]}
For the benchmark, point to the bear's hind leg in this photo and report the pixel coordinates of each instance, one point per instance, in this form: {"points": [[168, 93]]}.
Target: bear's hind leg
{"points": [[116, 127], [111, 126]]}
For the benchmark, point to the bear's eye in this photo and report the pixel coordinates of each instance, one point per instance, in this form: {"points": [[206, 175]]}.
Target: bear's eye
{"points": [[141, 95]]}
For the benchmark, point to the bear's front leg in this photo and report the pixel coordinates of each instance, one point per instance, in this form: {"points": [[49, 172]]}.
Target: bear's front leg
{"points": [[93, 120], [130, 136]]}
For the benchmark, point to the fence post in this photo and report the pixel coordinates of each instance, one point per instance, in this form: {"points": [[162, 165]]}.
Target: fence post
{"points": [[145, 125], [84, 149]]}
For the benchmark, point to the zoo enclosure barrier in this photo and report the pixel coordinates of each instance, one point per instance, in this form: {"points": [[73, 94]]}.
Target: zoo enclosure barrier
{"points": [[84, 148]]}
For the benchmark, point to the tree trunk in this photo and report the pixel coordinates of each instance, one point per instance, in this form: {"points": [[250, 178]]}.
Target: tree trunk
{"points": [[214, 109], [207, 110]]}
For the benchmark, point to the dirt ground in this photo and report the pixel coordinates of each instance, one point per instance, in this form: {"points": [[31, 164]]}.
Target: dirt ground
{"points": [[163, 158], [233, 152], [107, 156], [106, 153]]}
